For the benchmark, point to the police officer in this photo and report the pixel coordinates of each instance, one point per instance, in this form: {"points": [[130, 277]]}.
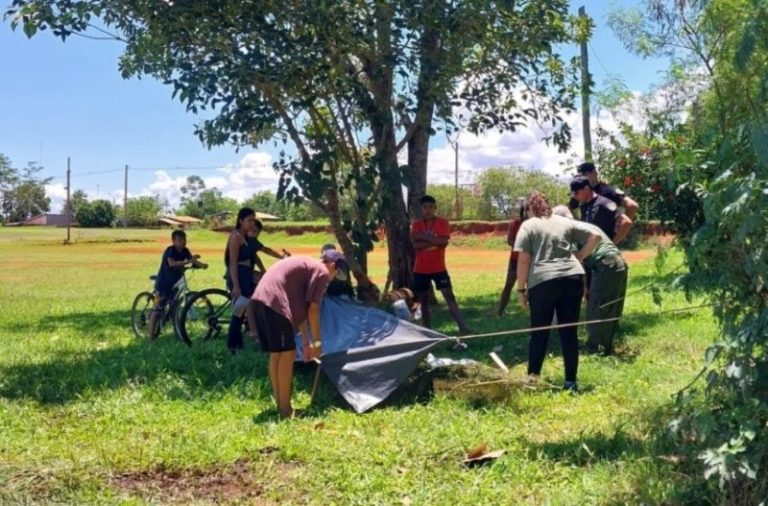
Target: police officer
{"points": [[599, 210], [588, 170]]}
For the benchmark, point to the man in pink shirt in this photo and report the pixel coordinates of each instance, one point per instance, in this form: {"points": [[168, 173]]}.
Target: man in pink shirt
{"points": [[287, 300]]}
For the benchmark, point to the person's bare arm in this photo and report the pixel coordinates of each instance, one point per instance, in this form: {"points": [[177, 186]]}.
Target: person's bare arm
{"points": [[257, 261], [181, 263], [234, 249], [307, 345], [523, 266], [623, 224], [511, 233], [197, 263], [588, 247], [313, 316], [440, 241], [272, 253], [630, 206]]}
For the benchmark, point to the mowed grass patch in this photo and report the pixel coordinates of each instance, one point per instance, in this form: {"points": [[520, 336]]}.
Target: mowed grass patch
{"points": [[86, 409]]}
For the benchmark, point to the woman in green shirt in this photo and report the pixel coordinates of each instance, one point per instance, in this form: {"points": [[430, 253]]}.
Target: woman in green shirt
{"points": [[550, 280]]}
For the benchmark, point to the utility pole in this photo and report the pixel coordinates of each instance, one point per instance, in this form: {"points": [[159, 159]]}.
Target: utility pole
{"points": [[69, 203], [456, 177], [585, 81], [125, 199]]}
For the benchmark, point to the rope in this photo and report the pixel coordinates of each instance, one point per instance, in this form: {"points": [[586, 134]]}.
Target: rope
{"points": [[638, 290], [576, 324]]}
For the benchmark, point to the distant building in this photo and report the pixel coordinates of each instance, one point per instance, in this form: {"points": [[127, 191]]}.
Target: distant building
{"points": [[179, 221], [50, 220]]}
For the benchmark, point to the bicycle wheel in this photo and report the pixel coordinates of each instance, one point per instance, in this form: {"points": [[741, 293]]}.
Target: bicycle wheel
{"points": [[140, 313], [204, 315], [178, 310]]}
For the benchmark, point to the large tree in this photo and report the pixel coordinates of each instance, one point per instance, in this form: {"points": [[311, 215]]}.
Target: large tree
{"points": [[24, 195], [350, 84]]}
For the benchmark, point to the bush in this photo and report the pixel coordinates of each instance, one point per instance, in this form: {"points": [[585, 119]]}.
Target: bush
{"points": [[99, 213]]}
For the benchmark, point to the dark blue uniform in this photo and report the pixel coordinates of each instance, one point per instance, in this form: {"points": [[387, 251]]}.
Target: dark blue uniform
{"points": [[604, 190], [167, 276], [600, 212]]}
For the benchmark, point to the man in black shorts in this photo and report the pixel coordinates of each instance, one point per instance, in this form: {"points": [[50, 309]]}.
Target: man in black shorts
{"points": [[430, 237], [287, 300]]}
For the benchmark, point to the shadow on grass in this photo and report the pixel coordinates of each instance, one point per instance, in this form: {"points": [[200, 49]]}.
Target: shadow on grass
{"points": [[97, 325], [167, 367], [667, 465], [478, 312]]}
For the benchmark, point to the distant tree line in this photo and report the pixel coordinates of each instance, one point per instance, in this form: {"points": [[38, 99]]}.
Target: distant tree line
{"points": [[22, 192]]}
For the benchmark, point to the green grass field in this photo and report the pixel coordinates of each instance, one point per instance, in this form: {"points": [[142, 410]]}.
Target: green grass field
{"points": [[91, 415]]}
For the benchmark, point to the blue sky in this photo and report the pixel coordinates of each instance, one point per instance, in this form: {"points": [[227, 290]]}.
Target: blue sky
{"points": [[68, 99]]}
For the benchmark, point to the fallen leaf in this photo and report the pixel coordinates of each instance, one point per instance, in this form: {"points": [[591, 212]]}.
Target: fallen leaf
{"points": [[477, 451], [484, 458]]}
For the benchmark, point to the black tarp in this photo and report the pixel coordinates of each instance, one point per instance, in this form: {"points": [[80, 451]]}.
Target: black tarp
{"points": [[368, 353]]}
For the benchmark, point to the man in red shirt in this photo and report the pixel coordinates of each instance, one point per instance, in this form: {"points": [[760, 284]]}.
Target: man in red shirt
{"points": [[430, 237]]}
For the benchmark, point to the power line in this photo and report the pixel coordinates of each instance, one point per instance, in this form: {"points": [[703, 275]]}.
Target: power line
{"points": [[97, 172], [175, 169], [594, 53]]}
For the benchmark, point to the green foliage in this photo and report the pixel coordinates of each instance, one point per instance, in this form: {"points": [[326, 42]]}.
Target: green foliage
{"points": [[348, 83], [76, 200], [84, 405], [501, 189], [96, 214], [720, 152], [660, 167], [445, 194], [143, 211], [23, 192], [206, 203], [267, 202]]}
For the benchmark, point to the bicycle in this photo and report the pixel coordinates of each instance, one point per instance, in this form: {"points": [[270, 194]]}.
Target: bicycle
{"points": [[144, 303], [204, 315]]}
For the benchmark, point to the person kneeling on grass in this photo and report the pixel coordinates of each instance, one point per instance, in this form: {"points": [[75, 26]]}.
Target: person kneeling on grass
{"points": [[171, 270], [402, 304], [287, 300]]}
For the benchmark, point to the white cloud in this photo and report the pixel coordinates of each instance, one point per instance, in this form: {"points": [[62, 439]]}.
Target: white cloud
{"points": [[525, 148], [57, 192], [252, 174]]}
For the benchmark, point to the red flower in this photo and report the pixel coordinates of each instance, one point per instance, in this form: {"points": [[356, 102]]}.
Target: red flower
{"points": [[656, 188], [622, 163], [628, 181]]}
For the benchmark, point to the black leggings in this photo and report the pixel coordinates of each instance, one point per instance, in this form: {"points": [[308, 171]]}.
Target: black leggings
{"points": [[561, 296], [235, 332]]}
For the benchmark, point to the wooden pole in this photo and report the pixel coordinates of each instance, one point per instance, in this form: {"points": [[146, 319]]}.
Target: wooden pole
{"points": [[125, 199], [585, 81], [456, 178], [69, 203]]}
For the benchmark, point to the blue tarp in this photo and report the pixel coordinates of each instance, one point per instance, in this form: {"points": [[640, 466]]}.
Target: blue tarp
{"points": [[368, 353]]}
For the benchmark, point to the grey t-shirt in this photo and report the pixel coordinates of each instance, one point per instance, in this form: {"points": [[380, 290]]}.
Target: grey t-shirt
{"points": [[290, 285], [550, 242], [605, 248]]}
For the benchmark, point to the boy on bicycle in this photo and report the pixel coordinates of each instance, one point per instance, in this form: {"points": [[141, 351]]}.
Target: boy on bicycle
{"points": [[175, 258]]}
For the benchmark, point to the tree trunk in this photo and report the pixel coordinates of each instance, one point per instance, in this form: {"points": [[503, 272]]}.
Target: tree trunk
{"points": [[398, 227], [418, 151], [431, 62], [367, 291]]}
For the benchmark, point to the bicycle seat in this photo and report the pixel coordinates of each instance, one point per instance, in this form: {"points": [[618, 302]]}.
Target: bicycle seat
{"points": [[153, 277]]}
